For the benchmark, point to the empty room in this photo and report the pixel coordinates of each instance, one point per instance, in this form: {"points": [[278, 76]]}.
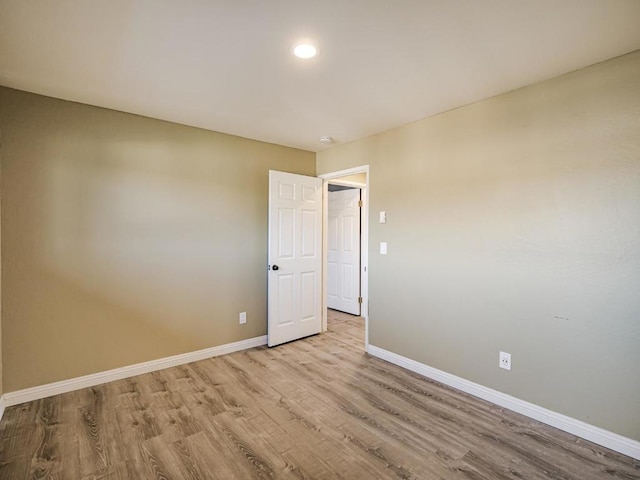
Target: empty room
{"points": [[320, 240]]}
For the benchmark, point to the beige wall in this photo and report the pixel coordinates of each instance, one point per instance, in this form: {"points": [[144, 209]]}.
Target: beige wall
{"points": [[514, 224], [126, 239], [360, 178]]}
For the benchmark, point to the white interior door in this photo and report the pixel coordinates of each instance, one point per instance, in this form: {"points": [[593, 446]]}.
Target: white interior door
{"points": [[343, 251], [295, 257]]}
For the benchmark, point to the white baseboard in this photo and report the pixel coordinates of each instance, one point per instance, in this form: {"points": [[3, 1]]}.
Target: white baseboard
{"points": [[3, 405], [584, 430], [64, 386]]}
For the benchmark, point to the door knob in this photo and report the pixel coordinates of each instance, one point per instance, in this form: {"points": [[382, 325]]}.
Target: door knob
{"points": [[275, 267]]}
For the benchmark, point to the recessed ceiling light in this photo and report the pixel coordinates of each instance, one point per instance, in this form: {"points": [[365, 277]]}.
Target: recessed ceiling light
{"points": [[305, 50]]}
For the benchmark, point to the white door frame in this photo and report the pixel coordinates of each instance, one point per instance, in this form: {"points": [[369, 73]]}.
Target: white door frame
{"points": [[364, 244]]}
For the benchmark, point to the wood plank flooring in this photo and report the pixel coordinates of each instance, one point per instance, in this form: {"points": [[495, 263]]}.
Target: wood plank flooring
{"points": [[318, 408]]}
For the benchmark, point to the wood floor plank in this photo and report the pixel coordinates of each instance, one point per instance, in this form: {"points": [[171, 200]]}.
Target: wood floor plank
{"points": [[318, 408]]}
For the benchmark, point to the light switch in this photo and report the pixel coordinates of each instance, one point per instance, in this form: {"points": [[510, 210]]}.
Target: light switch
{"points": [[383, 217], [383, 248]]}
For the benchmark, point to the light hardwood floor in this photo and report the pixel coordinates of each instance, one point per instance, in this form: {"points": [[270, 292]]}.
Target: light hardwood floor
{"points": [[316, 408]]}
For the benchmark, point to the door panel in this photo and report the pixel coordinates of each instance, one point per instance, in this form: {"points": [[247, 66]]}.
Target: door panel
{"points": [[295, 257], [343, 251], [309, 291], [286, 238], [310, 234]]}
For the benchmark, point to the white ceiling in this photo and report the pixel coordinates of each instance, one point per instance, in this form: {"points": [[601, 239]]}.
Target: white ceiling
{"points": [[225, 65]]}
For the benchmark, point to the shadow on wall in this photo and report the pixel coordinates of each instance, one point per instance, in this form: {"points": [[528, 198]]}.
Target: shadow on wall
{"points": [[136, 253], [140, 233]]}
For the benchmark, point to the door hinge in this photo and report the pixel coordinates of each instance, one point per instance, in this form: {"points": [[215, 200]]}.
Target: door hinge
{"points": [[359, 299], [360, 203]]}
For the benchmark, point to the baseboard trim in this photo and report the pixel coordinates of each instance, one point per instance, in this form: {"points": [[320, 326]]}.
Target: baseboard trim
{"points": [[594, 434], [3, 405], [64, 386]]}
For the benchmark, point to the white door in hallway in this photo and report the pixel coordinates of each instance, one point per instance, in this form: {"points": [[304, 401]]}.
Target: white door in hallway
{"points": [[343, 251], [295, 257]]}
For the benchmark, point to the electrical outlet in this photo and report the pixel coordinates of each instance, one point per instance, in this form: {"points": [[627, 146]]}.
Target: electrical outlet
{"points": [[505, 360], [243, 317]]}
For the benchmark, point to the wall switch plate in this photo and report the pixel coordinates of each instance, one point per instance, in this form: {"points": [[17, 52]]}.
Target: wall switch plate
{"points": [[383, 217], [505, 360], [243, 317], [383, 248]]}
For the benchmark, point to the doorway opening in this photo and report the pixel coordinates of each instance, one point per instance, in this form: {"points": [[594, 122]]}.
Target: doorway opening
{"points": [[345, 249]]}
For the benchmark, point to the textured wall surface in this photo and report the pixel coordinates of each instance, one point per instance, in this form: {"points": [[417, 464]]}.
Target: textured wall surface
{"points": [[514, 225], [126, 239]]}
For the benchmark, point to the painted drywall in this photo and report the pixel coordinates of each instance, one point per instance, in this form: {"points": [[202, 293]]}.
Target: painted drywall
{"points": [[126, 239], [514, 224], [360, 178]]}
